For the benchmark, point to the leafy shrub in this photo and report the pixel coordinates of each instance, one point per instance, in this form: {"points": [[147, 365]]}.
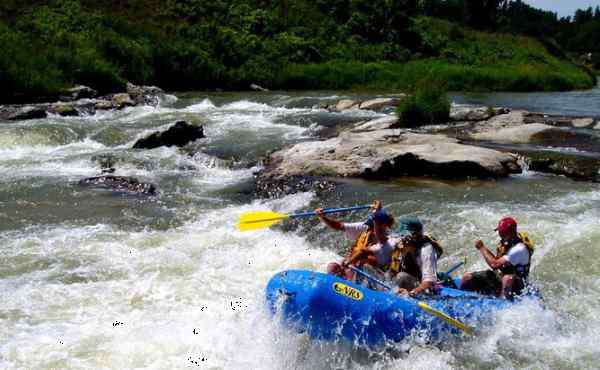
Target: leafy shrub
{"points": [[428, 105]]}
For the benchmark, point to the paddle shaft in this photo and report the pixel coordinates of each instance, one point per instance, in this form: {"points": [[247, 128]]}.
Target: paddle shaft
{"points": [[454, 268], [328, 210], [371, 277]]}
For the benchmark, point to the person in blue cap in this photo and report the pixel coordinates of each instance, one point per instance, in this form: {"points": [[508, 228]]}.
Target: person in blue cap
{"points": [[371, 247], [414, 261]]}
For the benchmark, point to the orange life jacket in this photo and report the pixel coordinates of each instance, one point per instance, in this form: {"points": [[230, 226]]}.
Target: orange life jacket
{"points": [[364, 240]]}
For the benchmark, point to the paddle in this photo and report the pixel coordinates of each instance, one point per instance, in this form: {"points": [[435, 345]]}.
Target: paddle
{"points": [[455, 267], [260, 219], [422, 305]]}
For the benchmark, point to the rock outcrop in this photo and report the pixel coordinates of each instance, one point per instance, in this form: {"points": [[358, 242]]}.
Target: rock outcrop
{"points": [[386, 154], [81, 100], [180, 134]]}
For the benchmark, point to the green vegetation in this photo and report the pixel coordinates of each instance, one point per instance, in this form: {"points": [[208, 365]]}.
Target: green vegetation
{"points": [[428, 105], [463, 59], [49, 45]]}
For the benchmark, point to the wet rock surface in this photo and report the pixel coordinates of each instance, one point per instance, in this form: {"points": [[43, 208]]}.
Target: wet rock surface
{"points": [[82, 100], [122, 184], [267, 187], [22, 113], [180, 134], [576, 167]]}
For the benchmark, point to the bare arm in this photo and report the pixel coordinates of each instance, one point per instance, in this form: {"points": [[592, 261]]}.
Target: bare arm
{"points": [[332, 223], [492, 261]]}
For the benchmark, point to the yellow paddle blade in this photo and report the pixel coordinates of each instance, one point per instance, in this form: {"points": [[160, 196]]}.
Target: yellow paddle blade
{"points": [[450, 320], [259, 219]]}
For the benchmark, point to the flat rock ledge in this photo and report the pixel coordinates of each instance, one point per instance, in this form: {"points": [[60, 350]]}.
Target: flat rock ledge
{"points": [[387, 154]]}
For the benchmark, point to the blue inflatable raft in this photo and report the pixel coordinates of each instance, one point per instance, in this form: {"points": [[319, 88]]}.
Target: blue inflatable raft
{"points": [[329, 308]]}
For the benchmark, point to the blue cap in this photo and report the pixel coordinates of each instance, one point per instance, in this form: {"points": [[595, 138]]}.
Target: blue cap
{"points": [[408, 225], [381, 216]]}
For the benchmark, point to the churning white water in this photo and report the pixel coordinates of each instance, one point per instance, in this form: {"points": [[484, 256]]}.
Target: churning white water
{"points": [[94, 280]]}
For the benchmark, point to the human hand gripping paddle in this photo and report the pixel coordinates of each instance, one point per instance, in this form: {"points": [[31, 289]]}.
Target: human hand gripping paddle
{"points": [[422, 305], [261, 219]]}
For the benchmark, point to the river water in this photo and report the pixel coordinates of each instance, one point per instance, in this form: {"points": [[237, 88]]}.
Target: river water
{"points": [[95, 280]]}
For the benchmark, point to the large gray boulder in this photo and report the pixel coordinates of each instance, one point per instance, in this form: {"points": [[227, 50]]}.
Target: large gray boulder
{"points": [[389, 153]]}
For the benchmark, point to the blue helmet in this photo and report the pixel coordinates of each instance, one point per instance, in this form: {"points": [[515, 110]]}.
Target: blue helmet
{"points": [[381, 216]]}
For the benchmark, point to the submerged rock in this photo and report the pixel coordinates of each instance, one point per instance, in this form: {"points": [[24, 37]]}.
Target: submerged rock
{"points": [[388, 153], [273, 188], [120, 184], [178, 135]]}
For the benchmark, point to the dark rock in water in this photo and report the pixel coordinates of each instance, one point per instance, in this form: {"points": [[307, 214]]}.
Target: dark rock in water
{"points": [[21, 113], [267, 187], [178, 135], [576, 167], [120, 184]]}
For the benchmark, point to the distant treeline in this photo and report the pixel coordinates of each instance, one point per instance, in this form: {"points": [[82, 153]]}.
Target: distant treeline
{"points": [[579, 34], [48, 45]]}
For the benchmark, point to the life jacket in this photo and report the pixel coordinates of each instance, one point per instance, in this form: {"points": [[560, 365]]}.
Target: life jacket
{"points": [[364, 240], [407, 262], [521, 271]]}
